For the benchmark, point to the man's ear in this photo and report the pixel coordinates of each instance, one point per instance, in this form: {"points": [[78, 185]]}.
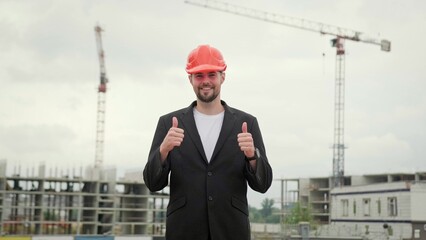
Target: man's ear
{"points": [[190, 78], [223, 77]]}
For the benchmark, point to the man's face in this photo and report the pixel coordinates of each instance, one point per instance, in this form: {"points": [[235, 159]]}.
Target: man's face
{"points": [[207, 85]]}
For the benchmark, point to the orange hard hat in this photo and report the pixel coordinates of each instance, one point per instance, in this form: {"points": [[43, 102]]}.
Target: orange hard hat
{"points": [[205, 58]]}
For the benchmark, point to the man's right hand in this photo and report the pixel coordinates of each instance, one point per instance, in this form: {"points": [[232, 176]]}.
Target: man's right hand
{"points": [[173, 139]]}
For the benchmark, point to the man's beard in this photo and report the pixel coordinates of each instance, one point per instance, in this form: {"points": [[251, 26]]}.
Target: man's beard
{"points": [[208, 98]]}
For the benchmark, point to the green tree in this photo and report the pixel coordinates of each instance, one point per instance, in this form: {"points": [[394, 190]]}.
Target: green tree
{"points": [[255, 215], [298, 214], [274, 218], [267, 207], [267, 214]]}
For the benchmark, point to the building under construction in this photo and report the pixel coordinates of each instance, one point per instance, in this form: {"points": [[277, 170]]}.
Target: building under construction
{"points": [[390, 205], [96, 203], [316, 192], [75, 204]]}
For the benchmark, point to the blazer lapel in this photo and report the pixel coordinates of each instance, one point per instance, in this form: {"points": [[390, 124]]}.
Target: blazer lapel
{"points": [[188, 122], [227, 127]]}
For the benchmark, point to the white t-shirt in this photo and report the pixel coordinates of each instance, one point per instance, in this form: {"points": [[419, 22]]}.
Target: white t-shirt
{"points": [[208, 127]]}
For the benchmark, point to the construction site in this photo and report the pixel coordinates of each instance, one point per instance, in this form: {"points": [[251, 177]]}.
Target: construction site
{"points": [[94, 202], [77, 203], [47, 202]]}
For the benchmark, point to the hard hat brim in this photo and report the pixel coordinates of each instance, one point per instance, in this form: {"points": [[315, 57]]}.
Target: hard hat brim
{"points": [[206, 68]]}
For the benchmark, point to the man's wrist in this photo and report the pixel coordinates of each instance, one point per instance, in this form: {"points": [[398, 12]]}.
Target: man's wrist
{"points": [[256, 155]]}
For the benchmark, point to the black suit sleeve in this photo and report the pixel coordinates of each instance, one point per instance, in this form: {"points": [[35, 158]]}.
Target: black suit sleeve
{"points": [[261, 179], [155, 173]]}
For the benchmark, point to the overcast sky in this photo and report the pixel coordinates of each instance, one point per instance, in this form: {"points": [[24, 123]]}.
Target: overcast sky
{"points": [[284, 76]]}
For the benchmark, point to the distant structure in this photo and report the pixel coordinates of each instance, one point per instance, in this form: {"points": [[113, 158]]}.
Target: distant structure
{"points": [[373, 206], [102, 89], [391, 210], [67, 203], [340, 35]]}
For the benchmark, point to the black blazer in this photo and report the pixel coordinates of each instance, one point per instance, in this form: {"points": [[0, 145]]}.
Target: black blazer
{"points": [[207, 197]]}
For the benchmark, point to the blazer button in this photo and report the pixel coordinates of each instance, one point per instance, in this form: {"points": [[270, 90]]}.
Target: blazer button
{"points": [[209, 174], [210, 198]]}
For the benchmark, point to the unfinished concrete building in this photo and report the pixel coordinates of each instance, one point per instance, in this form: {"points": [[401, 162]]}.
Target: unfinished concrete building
{"points": [[315, 192], [94, 204]]}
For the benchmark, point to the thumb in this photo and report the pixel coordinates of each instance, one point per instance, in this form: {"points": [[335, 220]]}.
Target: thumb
{"points": [[174, 122], [244, 127]]}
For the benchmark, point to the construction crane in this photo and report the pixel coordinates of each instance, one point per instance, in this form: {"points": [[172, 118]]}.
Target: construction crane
{"points": [[102, 89], [340, 34]]}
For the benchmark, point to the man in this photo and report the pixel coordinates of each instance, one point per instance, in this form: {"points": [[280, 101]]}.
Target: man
{"points": [[212, 151]]}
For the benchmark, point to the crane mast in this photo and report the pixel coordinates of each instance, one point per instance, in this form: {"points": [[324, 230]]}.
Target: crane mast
{"points": [[340, 34], [339, 116], [102, 89]]}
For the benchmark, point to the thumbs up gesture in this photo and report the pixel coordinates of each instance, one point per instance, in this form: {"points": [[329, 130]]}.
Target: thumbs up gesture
{"points": [[245, 141], [173, 139]]}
